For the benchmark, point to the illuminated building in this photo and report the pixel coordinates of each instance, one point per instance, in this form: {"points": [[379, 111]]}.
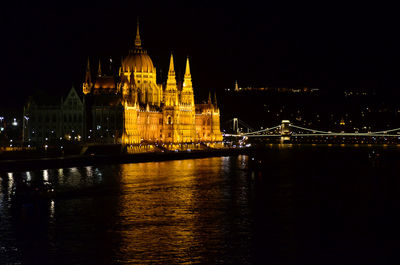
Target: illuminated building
{"points": [[131, 108]]}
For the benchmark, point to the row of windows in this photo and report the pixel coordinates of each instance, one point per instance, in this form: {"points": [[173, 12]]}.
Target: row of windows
{"points": [[45, 118], [53, 118], [73, 103], [48, 132], [72, 118], [208, 122], [144, 76]]}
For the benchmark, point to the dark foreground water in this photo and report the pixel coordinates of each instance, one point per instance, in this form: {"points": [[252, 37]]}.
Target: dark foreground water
{"points": [[290, 205]]}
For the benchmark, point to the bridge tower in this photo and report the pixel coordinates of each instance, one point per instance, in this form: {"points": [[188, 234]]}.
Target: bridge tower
{"points": [[285, 131], [235, 126], [285, 127]]}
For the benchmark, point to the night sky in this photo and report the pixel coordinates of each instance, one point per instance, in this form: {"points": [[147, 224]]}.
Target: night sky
{"points": [[331, 47]]}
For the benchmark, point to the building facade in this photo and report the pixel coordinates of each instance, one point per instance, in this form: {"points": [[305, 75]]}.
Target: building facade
{"points": [[50, 120], [132, 108]]}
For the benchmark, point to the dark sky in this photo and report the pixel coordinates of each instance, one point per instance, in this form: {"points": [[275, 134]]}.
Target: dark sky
{"points": [[329, 46]]}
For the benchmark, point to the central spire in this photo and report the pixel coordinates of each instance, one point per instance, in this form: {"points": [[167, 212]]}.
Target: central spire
{"points": [[138, 42]]}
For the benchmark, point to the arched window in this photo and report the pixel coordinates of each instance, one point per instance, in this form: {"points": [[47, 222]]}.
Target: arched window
{"points": [[169, 120]]}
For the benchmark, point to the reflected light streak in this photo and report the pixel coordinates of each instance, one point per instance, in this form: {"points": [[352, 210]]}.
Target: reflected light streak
{"points": [[169, 194], [61, 175], [89, 171], [52, 209], [98, 174], [10, 184], [46, 175], [28, 176]]}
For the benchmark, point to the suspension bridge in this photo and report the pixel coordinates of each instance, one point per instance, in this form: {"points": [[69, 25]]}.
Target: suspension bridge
{"points": [[286, 131]]}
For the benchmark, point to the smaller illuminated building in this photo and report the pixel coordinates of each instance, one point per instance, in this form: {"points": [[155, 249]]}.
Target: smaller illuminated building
{"points": [[46, 119]]}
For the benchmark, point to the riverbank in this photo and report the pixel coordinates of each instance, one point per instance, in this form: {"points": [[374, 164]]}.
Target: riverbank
{"points": [[86, 160]]}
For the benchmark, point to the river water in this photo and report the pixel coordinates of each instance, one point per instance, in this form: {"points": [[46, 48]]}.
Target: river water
{"points": [[284, 205]]}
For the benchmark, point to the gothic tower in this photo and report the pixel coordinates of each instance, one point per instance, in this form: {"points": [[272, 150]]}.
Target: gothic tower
{"points": [[187, 97], [171, 91], [171, 107], [187, 119], [87, 85]]}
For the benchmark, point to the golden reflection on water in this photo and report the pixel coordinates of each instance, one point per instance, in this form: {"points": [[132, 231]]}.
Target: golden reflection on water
{"points": [[159, 205]]}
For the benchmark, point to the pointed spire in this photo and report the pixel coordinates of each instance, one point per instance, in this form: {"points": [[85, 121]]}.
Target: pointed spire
{"points": [[171, 91], [87, 85], [99, 70], [138, 42], [88, 78], [187, 71], [209, 97], [187, 80], [171, 66], [171, 80], [187, 96], [215, 98]]}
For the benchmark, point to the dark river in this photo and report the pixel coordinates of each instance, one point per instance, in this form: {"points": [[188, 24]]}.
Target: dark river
{"points": [[290, 205]]}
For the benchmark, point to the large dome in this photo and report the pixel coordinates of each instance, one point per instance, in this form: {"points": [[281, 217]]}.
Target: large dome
{"points": [[138, 59]]}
